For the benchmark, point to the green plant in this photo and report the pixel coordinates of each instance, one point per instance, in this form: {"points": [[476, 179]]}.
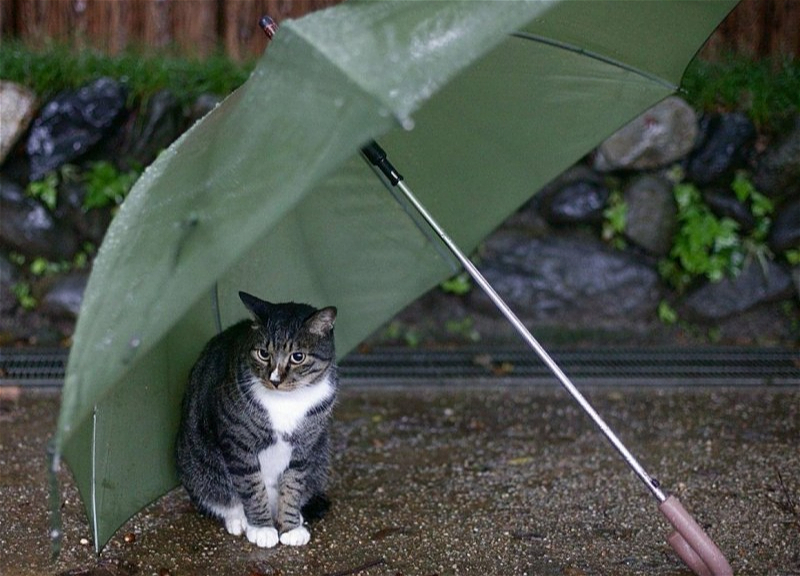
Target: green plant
{"points": [[713, 247], [400, 331], [615, 217], [667, 313], [463, 328], [42, 267], [760, 206], [24, 295], [56, 67], [45, 190], [767, 90], [106, 186], [460, 284], [704, 245]]}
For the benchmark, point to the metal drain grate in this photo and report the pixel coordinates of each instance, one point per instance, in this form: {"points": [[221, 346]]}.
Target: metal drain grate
{"points": [[658, 366], [627, 366], [34, 367]]}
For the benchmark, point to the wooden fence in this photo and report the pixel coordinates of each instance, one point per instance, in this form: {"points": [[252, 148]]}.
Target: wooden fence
{"points": [[192, 27], [758, 28]]}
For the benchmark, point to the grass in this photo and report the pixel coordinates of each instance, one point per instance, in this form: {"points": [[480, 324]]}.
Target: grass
{"points": [[768, 91], [58, 68]]}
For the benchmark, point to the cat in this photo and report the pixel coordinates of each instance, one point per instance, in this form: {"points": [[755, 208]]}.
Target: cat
{"points": [[253, 444]]}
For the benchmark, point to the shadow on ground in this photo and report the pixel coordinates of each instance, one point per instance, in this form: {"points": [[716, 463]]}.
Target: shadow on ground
{"points": [[505, 481]]}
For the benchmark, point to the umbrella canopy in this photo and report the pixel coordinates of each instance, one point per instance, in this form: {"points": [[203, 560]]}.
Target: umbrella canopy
{"points": [[484, 101]]}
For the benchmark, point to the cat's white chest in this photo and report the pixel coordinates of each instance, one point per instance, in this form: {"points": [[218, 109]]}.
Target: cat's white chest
{"points": [[273, 461], [287, 409]]}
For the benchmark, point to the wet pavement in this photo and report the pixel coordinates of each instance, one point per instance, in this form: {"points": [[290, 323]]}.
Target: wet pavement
{"points": [[482, 479]]}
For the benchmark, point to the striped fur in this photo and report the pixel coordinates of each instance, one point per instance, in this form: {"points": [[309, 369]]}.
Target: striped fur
{"points": [[253, 448]]}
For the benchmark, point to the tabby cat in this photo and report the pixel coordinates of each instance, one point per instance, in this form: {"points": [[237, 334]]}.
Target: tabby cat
{"points": [[252, 449]]}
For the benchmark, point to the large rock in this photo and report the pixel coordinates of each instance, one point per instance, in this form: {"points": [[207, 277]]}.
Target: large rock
{"points": [[796, 279], [159, 124], [756, 284], [725, 144], [9, 276], [72, 123], [725, 204], [660, 136], [90, 224], [204, 104], [578, 196], [17, 108], [568, 281], [778, 171], [65, 296], [785, 232], [652, 214], [27, 227]]}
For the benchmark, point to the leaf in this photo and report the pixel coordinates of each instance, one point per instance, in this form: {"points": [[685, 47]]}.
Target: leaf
{"points": [[460, 284], [667, 313], [45, 190]]}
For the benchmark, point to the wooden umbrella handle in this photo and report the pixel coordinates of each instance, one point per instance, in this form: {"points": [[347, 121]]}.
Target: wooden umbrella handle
{"points": [[691, 543]]}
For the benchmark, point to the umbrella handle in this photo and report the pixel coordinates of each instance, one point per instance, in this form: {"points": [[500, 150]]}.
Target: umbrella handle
{"points": [[691, 543]]}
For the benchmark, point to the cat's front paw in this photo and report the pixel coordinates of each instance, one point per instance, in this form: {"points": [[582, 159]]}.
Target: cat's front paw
{"points": [[296, 537], [236, 525], [263, 537]]}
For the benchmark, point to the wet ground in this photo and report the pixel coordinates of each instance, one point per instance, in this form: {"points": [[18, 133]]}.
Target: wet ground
{"points": [[481, 480]]}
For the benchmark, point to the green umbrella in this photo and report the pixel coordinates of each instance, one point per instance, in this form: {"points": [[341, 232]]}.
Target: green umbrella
{"points": [[483, 102]]}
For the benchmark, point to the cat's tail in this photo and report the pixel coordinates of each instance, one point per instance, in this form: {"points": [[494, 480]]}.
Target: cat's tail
{"points": [[316, 508]]}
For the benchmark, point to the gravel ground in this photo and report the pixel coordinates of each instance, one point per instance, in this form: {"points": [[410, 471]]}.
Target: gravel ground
{"points": [[427, 481]]}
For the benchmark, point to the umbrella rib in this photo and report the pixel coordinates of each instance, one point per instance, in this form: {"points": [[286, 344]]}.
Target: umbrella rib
{"points": [[596, 56], [94, 480], [215, 307]]}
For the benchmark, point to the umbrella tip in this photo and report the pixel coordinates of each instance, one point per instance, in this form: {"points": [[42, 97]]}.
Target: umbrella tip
{"points": [[268, 25]]}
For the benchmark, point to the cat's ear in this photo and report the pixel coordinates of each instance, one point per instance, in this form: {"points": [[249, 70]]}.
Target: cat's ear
{"points": [[257, 306], [321, 321]]}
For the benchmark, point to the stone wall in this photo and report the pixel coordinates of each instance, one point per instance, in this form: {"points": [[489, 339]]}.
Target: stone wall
{"points": [[560, 261], [572, 279]]}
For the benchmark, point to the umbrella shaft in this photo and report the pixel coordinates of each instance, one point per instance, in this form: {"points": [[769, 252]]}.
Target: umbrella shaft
{"points": [[476, 275]]}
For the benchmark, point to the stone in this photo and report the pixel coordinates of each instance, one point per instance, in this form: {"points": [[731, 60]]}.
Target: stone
{"points": [[785, 232], [160, 123], [724, 204], [27, 227], [204, 104], [756, 284], [725, 144], [65, 296], [778, 171], [663, 134], [90, 224], [578, 196], [571, 281], [652, 215], [9, 276], [17, 108], [72, 123]]}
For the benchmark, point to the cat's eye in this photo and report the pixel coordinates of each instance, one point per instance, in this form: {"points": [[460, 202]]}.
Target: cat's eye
{"points": [[262, 355], [297, 357]]}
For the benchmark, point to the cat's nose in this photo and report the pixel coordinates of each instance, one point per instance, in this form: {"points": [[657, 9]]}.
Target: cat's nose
{"points": [[276, 377]]}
